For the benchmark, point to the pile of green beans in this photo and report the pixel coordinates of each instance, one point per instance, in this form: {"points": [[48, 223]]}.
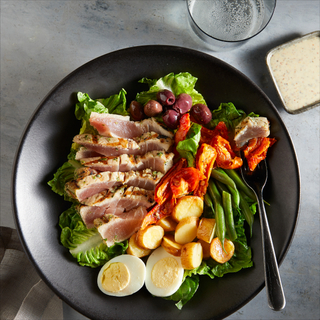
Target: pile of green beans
{"points": [[226, 193]]}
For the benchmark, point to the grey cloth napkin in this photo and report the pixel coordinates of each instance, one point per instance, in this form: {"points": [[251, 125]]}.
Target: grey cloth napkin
{"points": [[23, 295]]}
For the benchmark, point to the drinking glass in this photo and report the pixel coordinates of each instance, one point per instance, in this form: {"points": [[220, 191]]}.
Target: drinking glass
{"points": [[226, 24]]}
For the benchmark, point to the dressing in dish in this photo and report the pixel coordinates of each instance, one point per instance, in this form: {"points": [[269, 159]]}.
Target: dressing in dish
{"points": [[294, 67]]}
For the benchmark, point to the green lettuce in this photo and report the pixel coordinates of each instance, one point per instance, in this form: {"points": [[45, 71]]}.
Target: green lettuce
{"points": [[227, 113], [64, 174], [183, 82], [86, 245], [189, 146]]}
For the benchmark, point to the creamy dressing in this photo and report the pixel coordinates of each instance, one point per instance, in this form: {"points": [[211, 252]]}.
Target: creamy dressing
{"points": [[296, 70]]}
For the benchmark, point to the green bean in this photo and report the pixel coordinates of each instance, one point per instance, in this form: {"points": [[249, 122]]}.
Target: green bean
{"points": [[240, 184], [228, 213], [208, 202], [245, 210], [221, 176], [219, 214]]}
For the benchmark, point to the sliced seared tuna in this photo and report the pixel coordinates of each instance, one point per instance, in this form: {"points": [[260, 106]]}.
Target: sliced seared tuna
{"points": [[249, 128], [112, 125], [155, 160], [127, 197], [112, 147], [114, 228], [86, 153], [95, 183]]}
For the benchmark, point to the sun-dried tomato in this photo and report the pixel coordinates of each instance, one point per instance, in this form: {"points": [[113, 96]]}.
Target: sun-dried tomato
{"points": [[163, 191], [205, 159], [185, 181], [256, 150], [226, 158]]}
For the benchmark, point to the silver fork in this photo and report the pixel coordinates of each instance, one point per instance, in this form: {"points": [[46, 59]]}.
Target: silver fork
{"points": [[256, 180]]}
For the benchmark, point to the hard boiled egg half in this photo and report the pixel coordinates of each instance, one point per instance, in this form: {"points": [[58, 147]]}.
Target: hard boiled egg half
{"points": [[122, 276], [164, 273]]}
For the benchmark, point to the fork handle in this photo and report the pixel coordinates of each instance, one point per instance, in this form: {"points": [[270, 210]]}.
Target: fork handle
{"points": [[275, 293]]}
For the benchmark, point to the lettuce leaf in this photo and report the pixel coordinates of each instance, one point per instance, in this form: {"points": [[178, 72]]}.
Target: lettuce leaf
{"points": [[186, 291], [189, 146], [64, 174], [227, 113], [183, 82], [86, 245]]}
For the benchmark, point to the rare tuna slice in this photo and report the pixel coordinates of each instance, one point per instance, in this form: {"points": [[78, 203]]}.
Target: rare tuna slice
{"points": [[113, 125], [112, 147], [249, 128], [114, 228]]}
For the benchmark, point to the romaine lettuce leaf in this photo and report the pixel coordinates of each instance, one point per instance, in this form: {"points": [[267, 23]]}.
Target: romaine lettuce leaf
{"points": [[227, 113], [186, 291], [188, 147], [86, 245], [183, 82], [64, 174]]}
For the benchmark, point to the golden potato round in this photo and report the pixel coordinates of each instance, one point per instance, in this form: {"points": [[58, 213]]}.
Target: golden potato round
{"points": [[205, 249], [150, 237], [168, 224], [170, 245], [191, 255], [135, 250], [186, 230], [217, 253], [206, 229], [188, 206]]}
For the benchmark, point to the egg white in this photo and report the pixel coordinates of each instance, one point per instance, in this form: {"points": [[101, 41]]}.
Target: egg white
{"points": [[137, 270], [157, 255]]}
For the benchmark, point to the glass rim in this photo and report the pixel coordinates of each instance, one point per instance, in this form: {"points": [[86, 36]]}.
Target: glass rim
{"points": [[228, 41]]}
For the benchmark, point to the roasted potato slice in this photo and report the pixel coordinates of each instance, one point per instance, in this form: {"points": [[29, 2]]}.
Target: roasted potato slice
{"points": [[206, 229], [186, 230], [168, 224], [170, 245], [188, 206], [135, 250], [150, 237], [217, 253], [205, 249], [191, 255]]}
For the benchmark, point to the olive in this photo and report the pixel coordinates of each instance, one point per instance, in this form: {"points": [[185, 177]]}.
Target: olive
{"points": [[136, 110], [201, 113], [183, 103], [166, 97], [171, 118], [152, 108]]}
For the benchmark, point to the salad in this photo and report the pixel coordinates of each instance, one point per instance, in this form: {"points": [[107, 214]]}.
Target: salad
{"points": [[155, 196]]}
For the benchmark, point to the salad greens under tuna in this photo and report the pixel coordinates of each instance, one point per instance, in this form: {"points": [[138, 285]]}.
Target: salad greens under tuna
{"points": [[86, 245]]}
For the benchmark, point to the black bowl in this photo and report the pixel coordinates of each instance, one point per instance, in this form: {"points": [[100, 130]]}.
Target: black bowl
{"points": [[46, 143]]}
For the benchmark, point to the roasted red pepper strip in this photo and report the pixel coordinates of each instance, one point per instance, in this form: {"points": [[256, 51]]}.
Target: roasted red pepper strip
{"points": [[256, 150], [184, 126], [221, 130], [205, 159], [207, 135], [163, 191], [185, 181], [158, 212], [226, 158]]}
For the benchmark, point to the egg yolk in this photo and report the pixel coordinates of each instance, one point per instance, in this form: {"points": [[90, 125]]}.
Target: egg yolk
{"points": [[165, 272], [115, 277]]}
